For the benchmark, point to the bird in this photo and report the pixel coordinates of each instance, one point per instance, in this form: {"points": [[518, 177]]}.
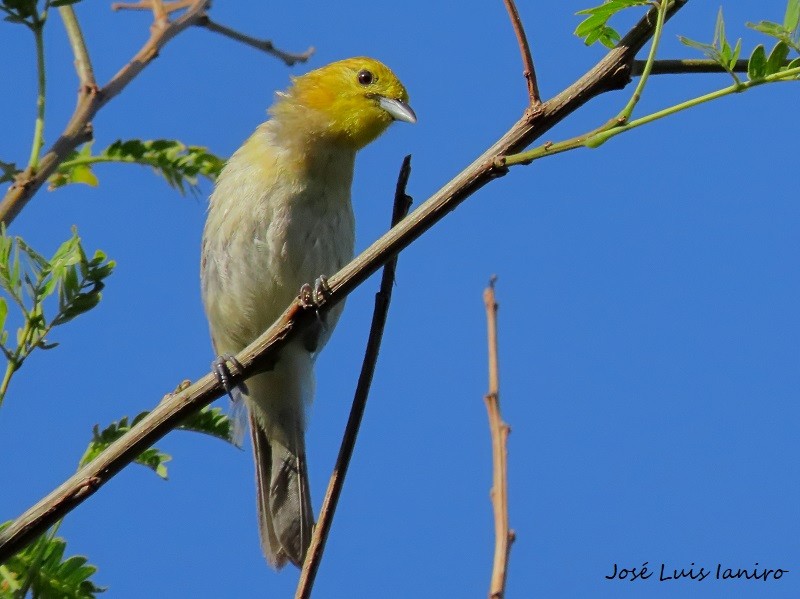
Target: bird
{"points": [[280, 216]]}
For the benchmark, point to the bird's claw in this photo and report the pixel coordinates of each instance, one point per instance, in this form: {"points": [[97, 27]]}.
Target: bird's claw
{"points": [[313, 297], [223, 374]]}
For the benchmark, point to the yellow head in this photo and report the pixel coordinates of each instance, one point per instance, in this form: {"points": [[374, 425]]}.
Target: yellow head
{"points": [[351, 101]]}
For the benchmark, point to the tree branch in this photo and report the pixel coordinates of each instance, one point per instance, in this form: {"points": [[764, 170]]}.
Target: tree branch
{"points": [[612, 72], [402, 202], [83, 64], [504, 537], [263, 45], [687, 65], [529, 72]]}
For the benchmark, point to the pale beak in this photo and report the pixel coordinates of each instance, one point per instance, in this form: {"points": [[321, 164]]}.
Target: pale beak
{"points": [[399, 110]]}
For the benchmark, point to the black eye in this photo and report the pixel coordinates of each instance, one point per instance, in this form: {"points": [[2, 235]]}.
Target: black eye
{"points": [[365, 77]]}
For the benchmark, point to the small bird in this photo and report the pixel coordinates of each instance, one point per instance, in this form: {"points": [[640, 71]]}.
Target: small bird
{"points": [[280, 217]]}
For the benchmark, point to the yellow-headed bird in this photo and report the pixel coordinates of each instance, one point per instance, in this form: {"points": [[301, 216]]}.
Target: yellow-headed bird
{"points": [[280, 216]]}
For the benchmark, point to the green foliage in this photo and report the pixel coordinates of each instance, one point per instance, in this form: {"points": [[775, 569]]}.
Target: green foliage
{"points": [[23, 12], [720, 49], [28, 279], [211, 421], [8, 170], [51, 575], [787, 32], [26, 12], [759, 65], [179, 164], [152, 458], [594, 28]]}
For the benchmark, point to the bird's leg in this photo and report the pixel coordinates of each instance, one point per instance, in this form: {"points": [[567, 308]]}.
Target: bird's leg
{"points": [[312, 297], [223, 374]]}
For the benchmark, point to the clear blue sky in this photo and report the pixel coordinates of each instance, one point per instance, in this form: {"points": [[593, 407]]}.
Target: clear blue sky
{"points": [[649, 328]]}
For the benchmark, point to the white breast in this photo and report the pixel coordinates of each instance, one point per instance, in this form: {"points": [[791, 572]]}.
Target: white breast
{"points": [[268, 232]]}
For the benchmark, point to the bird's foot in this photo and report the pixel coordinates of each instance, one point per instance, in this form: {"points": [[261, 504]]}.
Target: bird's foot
{"points": [[223, 374], [313, 297]]}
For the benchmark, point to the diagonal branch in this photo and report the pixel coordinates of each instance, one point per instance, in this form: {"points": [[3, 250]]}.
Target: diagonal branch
{"points": [[612, 72], [402, 202], [529, 72]]}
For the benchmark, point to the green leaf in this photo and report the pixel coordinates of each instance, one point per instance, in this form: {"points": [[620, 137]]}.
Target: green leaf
{"points": [[756, 66], [179, 164], [595, 26], [3, 313], [8, 171], [791, 19], [152, 458], [211, 421], [776, 58], [63, 2], [52, 575]]}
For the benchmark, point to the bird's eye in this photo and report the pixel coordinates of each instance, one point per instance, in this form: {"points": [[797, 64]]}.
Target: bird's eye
{"points": [[365, 77]]}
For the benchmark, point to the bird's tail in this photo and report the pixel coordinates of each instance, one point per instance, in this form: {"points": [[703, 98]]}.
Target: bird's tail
{"points": [[285, 516]]}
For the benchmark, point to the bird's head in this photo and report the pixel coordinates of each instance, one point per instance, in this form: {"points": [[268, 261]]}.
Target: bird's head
{"points": [[352, 101]]}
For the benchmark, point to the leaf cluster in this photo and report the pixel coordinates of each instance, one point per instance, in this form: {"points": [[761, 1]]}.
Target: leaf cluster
{"points": [[180, 165], [42, 568], [26, 12], [595, 28], [760, 64], [28, 279], [211, 421]]}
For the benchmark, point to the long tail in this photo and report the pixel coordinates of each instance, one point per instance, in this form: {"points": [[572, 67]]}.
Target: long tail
{"points": [[276, 403]]}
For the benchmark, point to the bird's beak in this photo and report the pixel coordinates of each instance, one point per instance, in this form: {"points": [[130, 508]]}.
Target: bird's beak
{"points": [[399, 110]]}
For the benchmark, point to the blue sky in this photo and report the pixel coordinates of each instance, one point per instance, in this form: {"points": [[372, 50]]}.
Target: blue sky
{"points": [[648, 323]]}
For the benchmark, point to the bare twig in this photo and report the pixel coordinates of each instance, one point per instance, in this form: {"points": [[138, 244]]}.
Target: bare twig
{"points": [[402, 202], [529, 72], [503, 536], [686, 66], [164, 8], [160, 14], [612, 72], [263, 45], [83, 64]]}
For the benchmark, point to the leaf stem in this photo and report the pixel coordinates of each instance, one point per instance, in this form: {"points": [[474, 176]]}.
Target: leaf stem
{"points": [[626, 112], [602, 134], [38, 130]]}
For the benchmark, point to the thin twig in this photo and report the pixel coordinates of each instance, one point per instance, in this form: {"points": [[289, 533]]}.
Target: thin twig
{"points": [[83, 64], [402, 203], [167, 8], [264, 45], [503, 535], [160, 14], [529, 72], [612, 72], [688, 66]]}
